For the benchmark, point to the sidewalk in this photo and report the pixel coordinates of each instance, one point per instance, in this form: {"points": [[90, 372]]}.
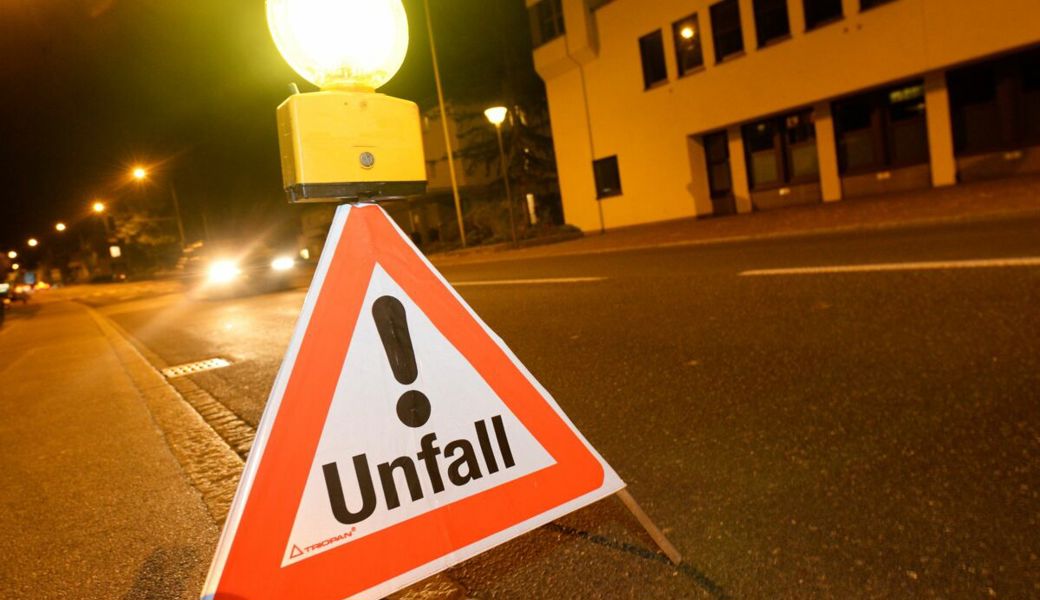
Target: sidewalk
{"points": [[95, 504], [1004, 198]]}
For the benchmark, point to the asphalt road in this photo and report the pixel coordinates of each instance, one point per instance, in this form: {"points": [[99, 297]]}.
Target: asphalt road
{"points": [[829, 435]]}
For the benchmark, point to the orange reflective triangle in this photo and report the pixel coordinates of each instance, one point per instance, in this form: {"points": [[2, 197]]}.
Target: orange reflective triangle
{"points": [[252, 561]]}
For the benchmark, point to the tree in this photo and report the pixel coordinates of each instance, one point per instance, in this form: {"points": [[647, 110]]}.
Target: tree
{"points": [[489, 70]]}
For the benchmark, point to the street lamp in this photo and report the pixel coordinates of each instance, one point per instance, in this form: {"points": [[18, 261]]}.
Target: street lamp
{"points": [[140, 174], [12, 255], [496, 115], [15, 266], [98, 207], [60, 227], [33, 242]]}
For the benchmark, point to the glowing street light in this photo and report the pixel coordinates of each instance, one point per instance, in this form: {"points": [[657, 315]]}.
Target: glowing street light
{"points": [[496, 115], [12, 255], [33, 242], [139, 174], [348, 48], [98, 207], [60, 227], [15, 266]]}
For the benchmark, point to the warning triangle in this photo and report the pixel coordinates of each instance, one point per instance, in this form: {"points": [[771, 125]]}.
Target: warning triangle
{"points": [[401, 436]]}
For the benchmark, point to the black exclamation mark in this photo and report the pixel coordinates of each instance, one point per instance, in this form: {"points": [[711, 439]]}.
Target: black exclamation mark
{"points": [[413, 407]]}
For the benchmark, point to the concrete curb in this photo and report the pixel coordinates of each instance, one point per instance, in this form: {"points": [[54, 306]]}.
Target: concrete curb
{"points": [[194, 429], [212, 467]]}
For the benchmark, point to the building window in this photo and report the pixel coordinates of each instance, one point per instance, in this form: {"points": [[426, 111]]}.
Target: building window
{"points": [[821, 12], [725, 29], [651, 50], [687, 35], [882, 129], [996, 105], [771, 22], [546, 22], [867, 4], [608, 178], [1031, 96], [781, 150]]}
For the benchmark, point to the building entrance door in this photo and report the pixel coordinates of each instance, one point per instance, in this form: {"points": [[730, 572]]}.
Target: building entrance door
{"points": [[716, 153]]}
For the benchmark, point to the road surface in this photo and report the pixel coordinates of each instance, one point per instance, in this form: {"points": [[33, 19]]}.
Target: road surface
{"points": [[824, 432]]}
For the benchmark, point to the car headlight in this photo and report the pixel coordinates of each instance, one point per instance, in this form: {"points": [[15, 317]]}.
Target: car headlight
{"points": [[283, 263], [223, 271]]}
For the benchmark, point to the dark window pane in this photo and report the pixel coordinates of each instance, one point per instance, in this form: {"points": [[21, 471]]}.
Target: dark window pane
{"points": [[760, 143], [716, 147], [908, 143], [782, 149], [884, 128], [546, 21], [608, 178], [973, 108], [719, 179], [856, 150], [818, 12], [687, 34], [799, 127], [651, 49], [764, 168], [1030, 69], [906, 102], [760, 136], [907, 131], [1030, 66], [771, 20], [803, 160], [865, 4], [857, 136], [725, 29], [853, 114], [800, 145]]}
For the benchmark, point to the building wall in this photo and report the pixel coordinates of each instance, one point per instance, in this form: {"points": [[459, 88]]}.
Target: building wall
{"points": [[599, 108]]}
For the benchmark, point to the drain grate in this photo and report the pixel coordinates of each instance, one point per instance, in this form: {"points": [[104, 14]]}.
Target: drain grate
{"points": [[195, 367]]}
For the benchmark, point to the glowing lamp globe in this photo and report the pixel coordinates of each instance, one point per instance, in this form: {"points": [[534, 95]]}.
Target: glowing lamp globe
{"points": [[341, 44], [496, 115]]}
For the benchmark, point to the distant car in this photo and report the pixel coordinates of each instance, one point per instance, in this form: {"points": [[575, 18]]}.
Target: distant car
{"points": [[229, 269], [15, 292]]}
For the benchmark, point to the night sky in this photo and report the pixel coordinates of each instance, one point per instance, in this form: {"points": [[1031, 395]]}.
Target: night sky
{"points": [[91, 87]]}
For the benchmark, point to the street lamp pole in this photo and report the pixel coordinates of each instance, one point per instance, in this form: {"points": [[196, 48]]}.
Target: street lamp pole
{"points": [[140, 174], [177, 211], [505, 178], [497, 115], [444, 124]]}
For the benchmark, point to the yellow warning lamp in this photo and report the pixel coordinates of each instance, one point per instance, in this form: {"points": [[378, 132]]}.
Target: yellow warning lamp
{"points": [[346, 142]]}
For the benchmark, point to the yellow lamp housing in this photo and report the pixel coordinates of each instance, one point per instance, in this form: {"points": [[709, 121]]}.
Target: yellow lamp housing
{"points": [[338, 145]]}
